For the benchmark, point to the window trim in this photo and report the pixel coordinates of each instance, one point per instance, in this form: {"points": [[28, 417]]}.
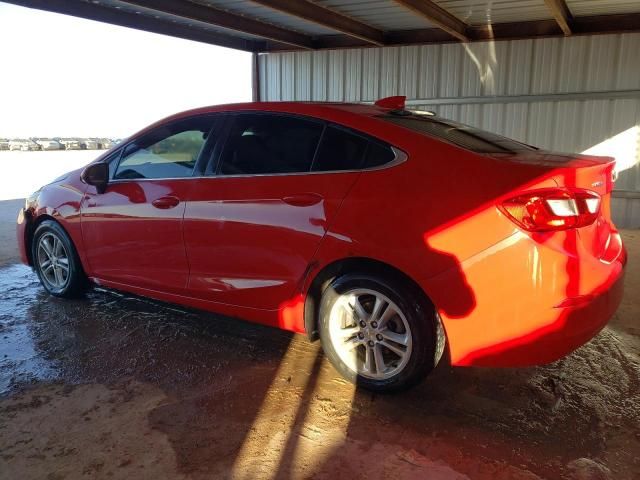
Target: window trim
{"points": [[400, 155]]}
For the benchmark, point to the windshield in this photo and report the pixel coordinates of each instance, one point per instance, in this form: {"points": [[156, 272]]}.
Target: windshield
{"points": [[464, 136]]}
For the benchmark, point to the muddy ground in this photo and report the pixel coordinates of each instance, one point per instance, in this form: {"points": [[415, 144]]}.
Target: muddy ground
{"points": [[112, 386]]}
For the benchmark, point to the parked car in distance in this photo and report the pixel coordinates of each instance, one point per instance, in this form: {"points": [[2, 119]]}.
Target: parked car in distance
{"points": [[386, 234], [4, 144], [105, 144], [71, 143], [23, 145], [49, 144], [88, 144]]}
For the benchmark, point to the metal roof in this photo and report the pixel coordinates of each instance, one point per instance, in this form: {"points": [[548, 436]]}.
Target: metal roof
{"points": [[277, 25], [482, 12]]}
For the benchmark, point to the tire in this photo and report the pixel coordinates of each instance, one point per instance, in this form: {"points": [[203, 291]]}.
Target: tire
{"points": [[56, 261], [357, 343]]}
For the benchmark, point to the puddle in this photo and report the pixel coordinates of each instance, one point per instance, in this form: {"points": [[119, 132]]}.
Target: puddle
{"points": [[106, 335]]}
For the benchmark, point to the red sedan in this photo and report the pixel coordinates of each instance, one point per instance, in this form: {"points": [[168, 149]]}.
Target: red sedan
{"points": [[389, 234]]}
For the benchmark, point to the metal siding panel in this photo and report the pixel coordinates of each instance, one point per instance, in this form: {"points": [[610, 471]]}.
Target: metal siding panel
{"points": [[602, 56], [594, 125], [493, 118], [262, 74], [389, 72], [541, 125], [353, 76], [628, 71], [336, 76], [471, 115], [572, 69], [273, 77], [287, 76], [429, 71], [370, 72], [319, 76], [515, 70], [450, 67], [567, 114], [545, 65], [474, 65], [409, 68], [302, 76], [516, 121]]}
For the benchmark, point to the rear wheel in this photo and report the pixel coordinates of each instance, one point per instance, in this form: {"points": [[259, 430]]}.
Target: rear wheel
{"points": [[379, 335], [56, 261]]}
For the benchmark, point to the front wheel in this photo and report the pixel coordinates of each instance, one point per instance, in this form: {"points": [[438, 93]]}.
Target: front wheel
{"points": [[379, 335], [56, 261]]}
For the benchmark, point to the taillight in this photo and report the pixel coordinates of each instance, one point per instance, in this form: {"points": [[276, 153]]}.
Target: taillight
{"points": [[553, 209]]}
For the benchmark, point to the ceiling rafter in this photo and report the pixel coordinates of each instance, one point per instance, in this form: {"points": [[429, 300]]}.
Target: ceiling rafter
{"points": [[221, 18], [438, 16], [320, 15], [562, 14]]}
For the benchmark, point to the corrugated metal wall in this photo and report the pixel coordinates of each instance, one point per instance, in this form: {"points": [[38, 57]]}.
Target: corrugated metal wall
{"points": [[579, 94]]}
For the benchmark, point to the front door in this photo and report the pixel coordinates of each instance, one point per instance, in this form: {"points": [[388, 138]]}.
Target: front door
{"points": [[133, 231]]}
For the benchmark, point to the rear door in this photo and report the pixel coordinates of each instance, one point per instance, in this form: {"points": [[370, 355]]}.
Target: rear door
{"points": [[252, 227], [133, 231]]}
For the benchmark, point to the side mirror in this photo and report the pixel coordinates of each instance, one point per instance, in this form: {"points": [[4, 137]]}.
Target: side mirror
{"points": [[96, 174]]}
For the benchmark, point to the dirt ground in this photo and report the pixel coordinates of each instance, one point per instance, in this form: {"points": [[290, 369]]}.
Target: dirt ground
{"points": [[111, 386]]}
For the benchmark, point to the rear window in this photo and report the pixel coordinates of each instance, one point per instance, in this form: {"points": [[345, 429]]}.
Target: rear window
{"points": [[464, 136]]}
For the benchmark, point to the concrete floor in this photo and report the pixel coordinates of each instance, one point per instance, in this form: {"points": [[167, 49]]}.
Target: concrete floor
{"points": [[118, 387]]}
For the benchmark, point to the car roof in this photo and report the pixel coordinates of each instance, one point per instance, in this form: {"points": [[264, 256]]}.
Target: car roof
{"points": [[313, 109]]}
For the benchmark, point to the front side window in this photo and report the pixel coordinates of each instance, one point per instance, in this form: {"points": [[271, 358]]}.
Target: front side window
{"points": [[270, 144], [170, 151]]}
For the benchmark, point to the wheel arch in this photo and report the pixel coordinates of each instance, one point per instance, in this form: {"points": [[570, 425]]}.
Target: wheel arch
{"points": [[362, 265], [30, 231]]}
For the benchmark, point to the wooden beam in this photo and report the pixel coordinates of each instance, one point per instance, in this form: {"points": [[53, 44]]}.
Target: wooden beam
{"points": [[616, 23], [113, 16], [562, 14], [593, 25], [438, 16], [221, 18], [315, 13]]}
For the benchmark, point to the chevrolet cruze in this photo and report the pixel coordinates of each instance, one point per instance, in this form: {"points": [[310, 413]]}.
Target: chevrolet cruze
{"points": [[391, 235]]}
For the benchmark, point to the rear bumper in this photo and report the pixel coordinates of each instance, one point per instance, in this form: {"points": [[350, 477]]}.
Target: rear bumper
{"points": [[573, 327], [21, 231], [533, 303]]}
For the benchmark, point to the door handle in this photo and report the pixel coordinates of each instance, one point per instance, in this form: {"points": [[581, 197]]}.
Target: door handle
{"points": [[166, 202], [303, 199]]}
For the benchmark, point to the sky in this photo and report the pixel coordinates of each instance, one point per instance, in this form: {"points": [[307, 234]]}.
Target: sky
{"points": [[67, 76]]}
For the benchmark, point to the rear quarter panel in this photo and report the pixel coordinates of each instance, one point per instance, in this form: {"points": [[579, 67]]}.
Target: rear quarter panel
{"points": [[429, 214]]}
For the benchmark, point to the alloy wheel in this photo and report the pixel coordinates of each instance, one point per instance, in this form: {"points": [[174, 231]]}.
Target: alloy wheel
{"points": [[370, 334], [53, 261]]}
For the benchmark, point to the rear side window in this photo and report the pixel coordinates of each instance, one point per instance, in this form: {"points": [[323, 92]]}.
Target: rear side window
{"points": [[378, 155], [342, 150], [464, 136], [270, 144]]}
